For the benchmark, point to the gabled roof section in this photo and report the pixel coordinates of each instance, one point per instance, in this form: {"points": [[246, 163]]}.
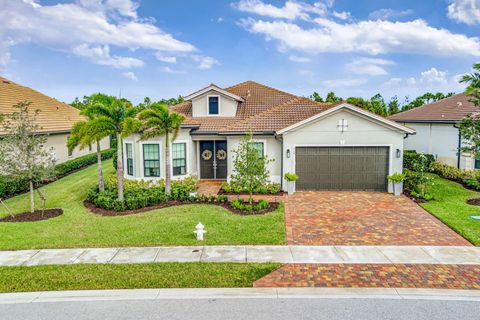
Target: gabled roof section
{"points": [[213, 87], [450, 110], [54, 116], [344, 105]]}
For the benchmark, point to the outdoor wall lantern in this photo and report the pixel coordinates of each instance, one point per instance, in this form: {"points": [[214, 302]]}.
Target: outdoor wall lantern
{"points": [[199, 232], [399, 153], [288, 153]]}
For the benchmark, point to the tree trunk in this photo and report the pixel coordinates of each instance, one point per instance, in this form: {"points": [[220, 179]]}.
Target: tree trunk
{"points": [[101, 185], [119, 167], [167, 165], [32, 198]]}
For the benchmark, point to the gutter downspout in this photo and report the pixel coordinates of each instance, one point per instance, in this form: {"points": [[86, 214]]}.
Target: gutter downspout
{"points": [[459, 145], [281, 162]]}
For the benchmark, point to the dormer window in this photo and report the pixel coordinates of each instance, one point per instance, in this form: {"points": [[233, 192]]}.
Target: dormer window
{"points": [[213, 105]]}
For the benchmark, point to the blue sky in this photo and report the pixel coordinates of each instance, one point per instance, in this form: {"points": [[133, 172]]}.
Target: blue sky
{"points": [[166, 48]]}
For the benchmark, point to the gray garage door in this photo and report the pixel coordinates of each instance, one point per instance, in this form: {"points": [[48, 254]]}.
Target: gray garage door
{"points": [[342, 168]]}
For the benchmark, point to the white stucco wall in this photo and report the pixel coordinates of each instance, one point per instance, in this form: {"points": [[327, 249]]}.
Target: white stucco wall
{"points": [[183, 136], [227, 105], [59, 144], [272, 148], [439, 139], [361, 132]]}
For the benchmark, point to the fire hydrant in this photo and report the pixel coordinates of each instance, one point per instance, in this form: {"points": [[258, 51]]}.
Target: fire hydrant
{"points": [[199, 232]]}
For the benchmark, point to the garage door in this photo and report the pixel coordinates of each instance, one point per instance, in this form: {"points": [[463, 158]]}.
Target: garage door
{"points": [[342, 168]]}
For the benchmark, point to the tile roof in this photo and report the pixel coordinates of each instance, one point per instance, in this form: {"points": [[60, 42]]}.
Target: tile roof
{"points": [[451, 109], [265, 109], [54, 116]]}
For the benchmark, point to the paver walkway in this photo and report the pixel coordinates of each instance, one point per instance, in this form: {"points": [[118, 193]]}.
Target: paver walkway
{"points": [[243, 254], [363, 218], [374, 275]]}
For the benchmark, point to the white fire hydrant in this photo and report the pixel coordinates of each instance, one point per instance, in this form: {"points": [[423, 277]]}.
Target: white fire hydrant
{"points": [[199, 232]]}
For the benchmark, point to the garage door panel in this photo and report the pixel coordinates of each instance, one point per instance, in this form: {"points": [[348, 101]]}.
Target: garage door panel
{"points": [[342, 168]]}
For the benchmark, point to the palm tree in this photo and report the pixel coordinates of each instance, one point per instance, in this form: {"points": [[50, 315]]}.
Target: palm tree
{"points": [[157, 120], [85, 133], [473, 79], [114, 116]]}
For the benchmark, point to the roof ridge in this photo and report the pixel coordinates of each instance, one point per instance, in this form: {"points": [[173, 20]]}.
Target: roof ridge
{"points": [[429, 104], [262, 85]]}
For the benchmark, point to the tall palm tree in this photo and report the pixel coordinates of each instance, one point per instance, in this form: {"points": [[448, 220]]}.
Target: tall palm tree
{"points": [[85, 133], [114, 116], [473, 79], [157, 120]]}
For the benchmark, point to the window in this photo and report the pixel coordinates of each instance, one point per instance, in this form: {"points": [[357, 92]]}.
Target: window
{"points": [[129, 152], [259, 147], [213, 105], [179, 159], [151, 160]]}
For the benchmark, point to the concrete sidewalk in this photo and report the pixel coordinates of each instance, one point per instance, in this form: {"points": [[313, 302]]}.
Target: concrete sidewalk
{"points": [[244, 254]]}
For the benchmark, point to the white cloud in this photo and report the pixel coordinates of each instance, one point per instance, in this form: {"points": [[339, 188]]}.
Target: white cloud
{"points": [[344, 15], [433, 77], [167, 59], [101, 55], [86, 28], [386, 14], [368, 66], [167, 69], [466, 11], [291, 10], [130, 75], [372, 37], [299, 59], [344, 83], [204, 62]]}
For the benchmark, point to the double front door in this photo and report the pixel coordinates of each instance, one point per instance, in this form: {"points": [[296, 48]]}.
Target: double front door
{"points": [[213, 159]]}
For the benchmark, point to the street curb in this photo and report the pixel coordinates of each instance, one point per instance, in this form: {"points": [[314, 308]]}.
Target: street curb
{"points": [[240, 293]]}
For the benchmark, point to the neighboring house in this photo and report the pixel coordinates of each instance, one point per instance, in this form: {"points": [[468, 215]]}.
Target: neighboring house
{"points": [[437, 130], [330, 147], [55, 118]]}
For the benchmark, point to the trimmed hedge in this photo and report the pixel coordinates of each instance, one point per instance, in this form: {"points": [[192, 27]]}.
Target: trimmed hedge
{"points": [[411, 156], [10, 187]]}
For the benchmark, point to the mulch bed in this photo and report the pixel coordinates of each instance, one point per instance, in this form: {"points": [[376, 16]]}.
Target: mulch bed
{"points": [[474, 202], [414, 199], [35, 216], [111, 213]]}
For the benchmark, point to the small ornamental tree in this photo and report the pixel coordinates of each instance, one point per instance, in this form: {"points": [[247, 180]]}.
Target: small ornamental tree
{"points": [[470, 126], [250, 165], [23, 155]]}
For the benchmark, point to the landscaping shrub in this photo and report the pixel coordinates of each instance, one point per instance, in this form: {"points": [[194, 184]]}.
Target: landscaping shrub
{"points": [[69, 166], [10, 187], [454, 173], [417, 182], [268, 188], [410, 157], [239, 204], [140, 193]]}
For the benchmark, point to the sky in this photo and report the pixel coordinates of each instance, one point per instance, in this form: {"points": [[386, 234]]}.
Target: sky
{"points": [[162, 49]]}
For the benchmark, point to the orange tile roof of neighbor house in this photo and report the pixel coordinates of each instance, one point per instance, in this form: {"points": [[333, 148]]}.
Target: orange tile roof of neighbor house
{"points": [[264, 109], [451, 110], [54, 116]]}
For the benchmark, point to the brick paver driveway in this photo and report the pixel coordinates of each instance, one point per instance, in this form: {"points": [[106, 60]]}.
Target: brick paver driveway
{"points": [[362, 218]]}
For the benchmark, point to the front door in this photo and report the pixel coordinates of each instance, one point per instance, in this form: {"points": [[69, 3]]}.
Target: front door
{"points": [[213, 159]]}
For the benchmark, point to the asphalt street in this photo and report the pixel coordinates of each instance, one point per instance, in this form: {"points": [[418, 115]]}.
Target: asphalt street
{"points": [[278, 309]]}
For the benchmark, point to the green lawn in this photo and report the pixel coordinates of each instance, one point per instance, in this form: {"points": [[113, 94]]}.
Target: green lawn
{"points": [[450, 207], [129, 276], [77, 227]]}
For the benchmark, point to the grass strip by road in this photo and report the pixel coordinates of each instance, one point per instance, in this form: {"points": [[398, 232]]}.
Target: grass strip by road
{"points": [[450, 206], [132, 276]]}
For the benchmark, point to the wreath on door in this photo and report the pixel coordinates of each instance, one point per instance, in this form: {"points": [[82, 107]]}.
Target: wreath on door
{"points": [[207, 154], [221, 154]]}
